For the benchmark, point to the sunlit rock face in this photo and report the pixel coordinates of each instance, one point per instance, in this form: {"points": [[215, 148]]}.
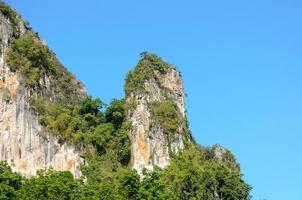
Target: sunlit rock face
{"points": [[24, 143], [151, 146]]}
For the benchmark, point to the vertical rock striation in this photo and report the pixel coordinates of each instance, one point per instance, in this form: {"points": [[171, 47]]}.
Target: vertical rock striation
{"points": [[25, 144], [155, 100]]}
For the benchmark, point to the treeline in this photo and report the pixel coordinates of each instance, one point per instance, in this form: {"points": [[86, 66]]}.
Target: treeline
{"points": [[190, 176], [100, 132]]}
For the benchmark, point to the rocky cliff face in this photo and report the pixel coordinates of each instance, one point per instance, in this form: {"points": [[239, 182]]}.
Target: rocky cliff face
{"points": [[24, 143], [156, 102]]}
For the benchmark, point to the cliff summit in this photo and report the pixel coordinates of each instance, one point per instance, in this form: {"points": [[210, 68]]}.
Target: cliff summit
{"points": [[158, 122], [57, 142]]}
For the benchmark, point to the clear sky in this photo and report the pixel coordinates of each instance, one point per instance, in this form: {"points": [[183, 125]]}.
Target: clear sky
{"points": [[241, 62]]}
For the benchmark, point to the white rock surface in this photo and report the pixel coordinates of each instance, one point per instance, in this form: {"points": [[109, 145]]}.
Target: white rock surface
{"points": [[24, 143], [150, 146]]}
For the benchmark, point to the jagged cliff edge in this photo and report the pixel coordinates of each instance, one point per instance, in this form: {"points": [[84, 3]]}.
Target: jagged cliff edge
{"points": [[155, 100], [155, 93], [25, 144]]}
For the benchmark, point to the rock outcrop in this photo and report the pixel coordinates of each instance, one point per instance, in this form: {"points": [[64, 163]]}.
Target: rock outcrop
{"points": [[156, 109], [25, 144]]}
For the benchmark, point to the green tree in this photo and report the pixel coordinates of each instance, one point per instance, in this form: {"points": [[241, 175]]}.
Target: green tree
{"points": [[129, 183], [115, 112], [10, 182], [52, 185], [153, 187]]}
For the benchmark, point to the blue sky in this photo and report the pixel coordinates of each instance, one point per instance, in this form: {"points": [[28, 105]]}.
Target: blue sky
{"points": [[241, 63]]}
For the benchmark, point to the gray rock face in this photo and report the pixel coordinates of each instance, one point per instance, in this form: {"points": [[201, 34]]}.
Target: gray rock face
{"points": [[219, 152], [150, 144], [5, 32], [24, 143]]}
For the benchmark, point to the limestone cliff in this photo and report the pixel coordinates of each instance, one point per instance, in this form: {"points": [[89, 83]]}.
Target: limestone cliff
{"points": [[156, 109], [24, 143]]}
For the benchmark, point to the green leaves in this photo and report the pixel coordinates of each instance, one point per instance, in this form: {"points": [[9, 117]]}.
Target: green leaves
{"points": [[146, 69], [9, 182], [194, 174], [52, 185], [12, 15], [190, 175], [115, 112], [30, 57], [90, 106], [101, 133], [154, 187], [39, 68], [168, 115], [129, 183], [196, 177]]}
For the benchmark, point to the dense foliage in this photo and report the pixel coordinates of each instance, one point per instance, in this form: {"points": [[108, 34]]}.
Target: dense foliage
{"points": [[29, 56], [100, 132], [85, 126], [168, 115], [190, 176], [51, 185], [9, 182], [145, 69], [194, 176]]}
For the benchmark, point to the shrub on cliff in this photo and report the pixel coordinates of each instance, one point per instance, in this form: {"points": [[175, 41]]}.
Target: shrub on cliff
{"points": [[168, 116], [145, 70], [12, 15], [29, 56]]}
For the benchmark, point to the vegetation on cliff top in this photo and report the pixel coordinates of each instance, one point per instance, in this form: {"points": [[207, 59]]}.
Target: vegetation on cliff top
{"points": [[165, 113], [145, 70], [102, 134], [29, 56], [12, 15]]}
